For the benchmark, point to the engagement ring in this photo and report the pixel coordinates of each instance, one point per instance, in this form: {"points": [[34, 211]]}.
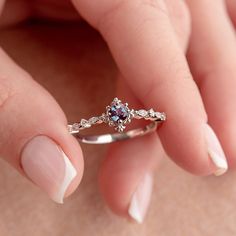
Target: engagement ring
{"points": [[117, 115]]}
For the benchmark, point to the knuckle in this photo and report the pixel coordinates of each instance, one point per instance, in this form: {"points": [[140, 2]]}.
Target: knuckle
{"points": [[157, 5], [123, 8], [179, 10], [180, 16], [109, 12]]}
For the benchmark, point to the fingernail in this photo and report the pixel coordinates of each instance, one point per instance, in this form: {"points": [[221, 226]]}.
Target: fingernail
{"points": [[47, 166], [141, 199], [215, 151]]}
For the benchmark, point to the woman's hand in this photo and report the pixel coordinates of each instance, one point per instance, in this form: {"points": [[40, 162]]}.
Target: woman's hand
{"points": [[148, 39]]}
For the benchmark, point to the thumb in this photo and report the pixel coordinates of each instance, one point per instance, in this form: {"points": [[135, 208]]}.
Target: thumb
{"points": [[33, 133]]}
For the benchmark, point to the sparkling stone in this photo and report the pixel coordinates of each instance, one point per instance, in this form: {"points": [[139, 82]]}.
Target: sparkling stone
{"points": [[84, 123], [163, 116], [142, 113], [158, 115], [93, 120], [75, 126], [151, 112], [118, 113]]}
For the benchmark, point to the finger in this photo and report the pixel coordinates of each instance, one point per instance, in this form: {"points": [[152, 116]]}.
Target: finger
{"points": [[144, 45], [212, 59], [33, 133], [180, 20], [126, 175], [14, 12], [231, 7]]}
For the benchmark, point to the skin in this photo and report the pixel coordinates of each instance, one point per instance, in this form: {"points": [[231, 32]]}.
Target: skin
{"points": [[205, 205], [149, 80]]}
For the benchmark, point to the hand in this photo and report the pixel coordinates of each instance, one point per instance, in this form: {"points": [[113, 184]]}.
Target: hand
{"points": [[148, 40]]}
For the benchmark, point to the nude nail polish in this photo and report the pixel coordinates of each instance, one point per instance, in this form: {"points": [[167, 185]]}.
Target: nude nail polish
{"points": [[141, 198], [45, 163], [215, 151]]}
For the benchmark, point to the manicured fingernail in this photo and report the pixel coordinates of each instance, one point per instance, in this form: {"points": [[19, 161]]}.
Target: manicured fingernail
{"points": [[141, 199], [47, 166], [215, 151]]}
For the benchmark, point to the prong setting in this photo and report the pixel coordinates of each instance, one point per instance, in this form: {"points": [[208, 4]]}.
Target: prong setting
{"points": [[118, 114]]}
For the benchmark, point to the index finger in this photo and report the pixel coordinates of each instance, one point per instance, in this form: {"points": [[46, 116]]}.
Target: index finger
{"points": [[144, 45]]}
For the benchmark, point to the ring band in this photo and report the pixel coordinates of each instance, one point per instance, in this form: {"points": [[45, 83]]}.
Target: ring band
{"points": [[117, 115]]}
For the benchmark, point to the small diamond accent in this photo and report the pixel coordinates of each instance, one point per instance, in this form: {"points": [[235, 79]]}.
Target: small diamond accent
{"points": [[158, 114], [75, 126], [151, 113], [142, 113], [118, 115], [85, 124], [93, 120], [163, 116]]}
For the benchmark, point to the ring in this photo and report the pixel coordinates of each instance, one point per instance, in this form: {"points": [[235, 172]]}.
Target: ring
{"points": [[117, 115]]}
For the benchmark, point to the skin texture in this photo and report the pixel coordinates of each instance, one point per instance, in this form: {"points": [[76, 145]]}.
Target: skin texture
{"points": [[148, 45], [182, 204]]}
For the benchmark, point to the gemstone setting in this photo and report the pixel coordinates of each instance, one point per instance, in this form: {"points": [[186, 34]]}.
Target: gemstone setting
{"points": [[118, 114]]}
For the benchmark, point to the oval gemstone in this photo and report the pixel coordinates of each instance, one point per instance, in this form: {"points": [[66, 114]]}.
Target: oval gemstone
{"points": [[118, 112]]}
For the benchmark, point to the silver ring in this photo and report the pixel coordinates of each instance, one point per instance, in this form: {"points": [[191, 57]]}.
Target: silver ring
{"points": [[117, 115]]}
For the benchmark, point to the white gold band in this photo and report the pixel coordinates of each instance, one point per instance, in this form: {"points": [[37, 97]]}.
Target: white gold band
{"points": [[117, 115]]}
